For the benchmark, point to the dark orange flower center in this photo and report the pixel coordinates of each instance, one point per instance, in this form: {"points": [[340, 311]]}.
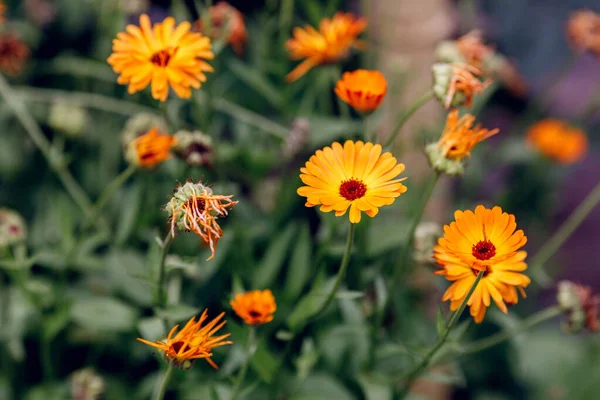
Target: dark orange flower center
{"points": [[177, 346], [352, 189], [196, 203], [161, 58], [254, 314], [484, 250]]}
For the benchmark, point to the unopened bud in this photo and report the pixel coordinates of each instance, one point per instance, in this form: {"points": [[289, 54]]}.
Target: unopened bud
{"points": [[68, 118], [12, 228], [86, 385], [195, 148]]}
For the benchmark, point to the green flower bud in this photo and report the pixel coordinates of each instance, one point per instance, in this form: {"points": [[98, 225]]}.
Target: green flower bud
{"points": [[12, 228]]}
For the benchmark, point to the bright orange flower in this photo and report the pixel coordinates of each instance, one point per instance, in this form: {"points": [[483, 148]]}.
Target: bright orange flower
{"points": [[162, 55], [583, 31], [355, 176], [194, 207], [330, 44], [192, 342], [227, 23], [150, 149], [459, 136], [484, 240], [558, 140], [13, 54], [364, 90], [256, 307]]}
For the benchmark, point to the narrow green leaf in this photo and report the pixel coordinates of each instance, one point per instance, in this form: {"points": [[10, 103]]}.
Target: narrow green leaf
{"points": [[309, 305], [273, 260], [104, 314], [257, 81], [349, 295], [264, 363], [130, 208], [375, 389], [299, 269], [176, 312], [441, 321], [55, 323]]}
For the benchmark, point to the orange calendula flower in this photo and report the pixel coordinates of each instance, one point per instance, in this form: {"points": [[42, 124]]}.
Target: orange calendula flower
{"points": [[485, 240], [558, 140], [227, 23], [355, 176], [13, 54], [456, 84], [256, 307], [364, 90], [330, 44], [583, 31], [150, 149], [161, 55], [195, 208], [192, 342]]}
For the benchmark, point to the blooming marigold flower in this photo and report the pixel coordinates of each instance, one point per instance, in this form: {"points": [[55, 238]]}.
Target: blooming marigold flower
{"points": [[583, 31], [227, 23], [484, 240], [330, 44], [150, 149], [256, 307], [355, 176], [13, 54], [456, 84], [192, 342], [558, 140], [162, 55], [364, 90], [194, 207]]}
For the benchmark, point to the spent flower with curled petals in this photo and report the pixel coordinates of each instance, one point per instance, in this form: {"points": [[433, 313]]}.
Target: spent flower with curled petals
{"points": [[150, 149], [195, 208], [13, 54], [163, 55], [256, 307], [558, 140], [227, 24], [581, 306], [362, 89], [195, 148], [192, 342], [482, 241], [455, 84], [583, 31], [355, 176], [330, 44]]}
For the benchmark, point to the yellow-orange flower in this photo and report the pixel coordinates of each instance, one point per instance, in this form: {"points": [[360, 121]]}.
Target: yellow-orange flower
{"points": [[13, 54], [459, 136], [330, 44], [227, 23], [484, 240], [194, 207], [256, 307], [558, 140], [355, 176], [583, 31], [150, 149], [192, 342], [362, 89], [161, 55]]}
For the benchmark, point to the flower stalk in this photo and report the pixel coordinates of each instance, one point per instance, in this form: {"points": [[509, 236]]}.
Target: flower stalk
{"points": [[406, 116], [160, 293], [250, 350], [165, 383]]}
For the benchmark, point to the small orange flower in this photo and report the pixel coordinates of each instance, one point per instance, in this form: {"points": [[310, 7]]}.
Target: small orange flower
{"points": [[227, 23], [192, 342], [364, 90], [13, 54], [256, 307], [484, 240], [583, 31], [460, 137], [558, 140], [162, 55], [150, 149], [194, 207], [330, 44]]}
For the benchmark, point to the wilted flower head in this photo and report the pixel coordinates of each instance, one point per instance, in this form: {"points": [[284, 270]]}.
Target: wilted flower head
{"points": [[68, 118], [330, 44], [12, 228], [195, 208], [13, 54], [583, 31], [86, 384], [362, 89], [457, 141], [162, 55], [226, 23], [195, 148], [297, 138], [455, 84], [256, 307], [192, 342], [558, 140], [139, 125], [426, 236], [581, 306], [150, 149]]}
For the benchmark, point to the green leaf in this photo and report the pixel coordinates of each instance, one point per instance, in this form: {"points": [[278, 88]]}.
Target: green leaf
{"points": [[257, 81], [130, 208], [264, 363], [104, 314], [236, 285], [309, 305], [307, 360], [176, 312], [349, 295], [375, 389], [299, 268], [381, 292], [272, 261], [151, 328], [128, 275], [331, 129], [440, 321], [320, 386], [284, 336], [55, 323]]}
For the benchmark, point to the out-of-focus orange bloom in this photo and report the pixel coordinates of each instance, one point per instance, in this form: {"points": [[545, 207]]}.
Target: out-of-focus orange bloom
{"points": [[583, 31], [150, 149], [473, 50], [459, 136], [364, 90], [256, 307], [13, 54], [330, 44], [226, 23], [558, 140]]}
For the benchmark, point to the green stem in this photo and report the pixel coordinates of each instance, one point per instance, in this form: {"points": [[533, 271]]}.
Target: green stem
{"points": [[562, 234], [493, 340], [55, 161], [286, 15], [421, 366], [341, 271], [406, 116], [165, 382], [160, 293], [251, 348]]}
